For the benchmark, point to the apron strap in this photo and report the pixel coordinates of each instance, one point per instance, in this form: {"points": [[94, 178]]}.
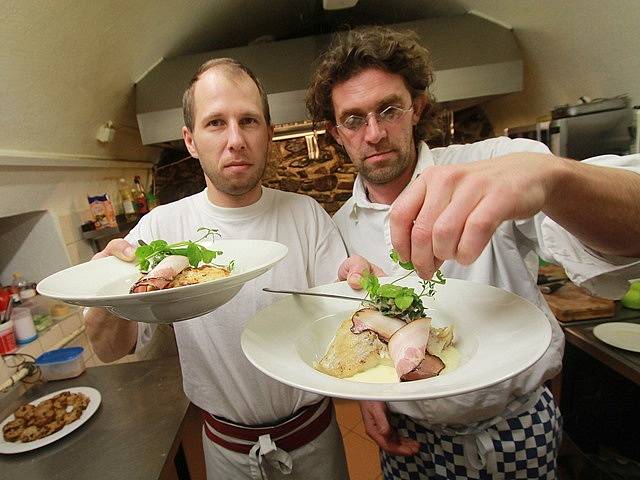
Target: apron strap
{"points": [[266, 450], [476, 440]]}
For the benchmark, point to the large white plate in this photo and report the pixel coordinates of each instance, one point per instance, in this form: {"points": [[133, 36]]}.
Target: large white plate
{"points": [[106, 282], [619, 334], [18, 447], [497, 333]]}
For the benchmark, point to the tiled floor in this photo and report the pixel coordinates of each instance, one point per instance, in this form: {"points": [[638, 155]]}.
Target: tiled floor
{"points": [[362, 452]]}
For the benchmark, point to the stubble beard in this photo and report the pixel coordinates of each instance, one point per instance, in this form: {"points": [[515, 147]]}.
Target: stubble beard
{"points": [[379, 175], [234, 187]]}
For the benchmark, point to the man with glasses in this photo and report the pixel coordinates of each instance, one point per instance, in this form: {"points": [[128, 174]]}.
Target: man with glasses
{"points": [[371, 88]]}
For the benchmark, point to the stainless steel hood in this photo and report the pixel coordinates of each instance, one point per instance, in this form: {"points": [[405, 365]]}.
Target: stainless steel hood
{"points": [[473, 59]]}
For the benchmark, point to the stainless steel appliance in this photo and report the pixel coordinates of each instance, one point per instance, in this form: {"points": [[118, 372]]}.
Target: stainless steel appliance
{"points": [[536, 131], [585, 130]]}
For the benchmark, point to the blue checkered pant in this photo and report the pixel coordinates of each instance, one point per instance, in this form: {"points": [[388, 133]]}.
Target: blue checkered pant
{"points": [[525, 447]]}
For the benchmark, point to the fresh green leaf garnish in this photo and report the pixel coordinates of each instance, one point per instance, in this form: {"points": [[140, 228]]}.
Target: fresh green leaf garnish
{"points": [[398, 301], [148, 255], [395, 256]]}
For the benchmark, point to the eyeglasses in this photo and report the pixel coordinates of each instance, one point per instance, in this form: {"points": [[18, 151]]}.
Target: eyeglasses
{"points": [[390, 114]]}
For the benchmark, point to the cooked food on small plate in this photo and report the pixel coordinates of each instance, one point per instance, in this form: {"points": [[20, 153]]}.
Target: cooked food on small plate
{"points": [[175, 265], [392, 339], [32, 422]]}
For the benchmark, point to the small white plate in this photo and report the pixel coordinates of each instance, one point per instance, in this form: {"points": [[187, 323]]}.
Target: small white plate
{"points": [[619, 334], [106, 282], [497, 333], [18, 447]]}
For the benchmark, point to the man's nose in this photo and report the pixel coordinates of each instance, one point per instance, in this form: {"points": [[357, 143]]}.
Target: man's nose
{"points": [[374, 130], [235, 137]]}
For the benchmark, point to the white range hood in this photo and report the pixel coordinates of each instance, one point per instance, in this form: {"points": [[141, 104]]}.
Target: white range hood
{"points": [[473, 58]]}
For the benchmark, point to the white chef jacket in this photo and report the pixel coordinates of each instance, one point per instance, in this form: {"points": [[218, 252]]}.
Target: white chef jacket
{"points": [[364, 227], [217, 376]]}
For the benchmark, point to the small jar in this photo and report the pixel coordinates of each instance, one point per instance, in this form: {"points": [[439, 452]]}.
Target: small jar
{"points": [[7, 338], [23, 326]]}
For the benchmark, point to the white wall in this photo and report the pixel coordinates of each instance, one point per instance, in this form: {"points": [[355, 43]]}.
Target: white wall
{"points": [[63, 192], [66, 67], [571, 48], [29, 246]]}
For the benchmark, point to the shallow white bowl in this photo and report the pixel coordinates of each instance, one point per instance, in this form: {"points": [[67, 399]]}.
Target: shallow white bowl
{"points": [[106, 282], [497, 333]]}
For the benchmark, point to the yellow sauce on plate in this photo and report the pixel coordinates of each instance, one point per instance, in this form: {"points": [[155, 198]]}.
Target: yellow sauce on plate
{"points": [[386, 373], [379, 374]]}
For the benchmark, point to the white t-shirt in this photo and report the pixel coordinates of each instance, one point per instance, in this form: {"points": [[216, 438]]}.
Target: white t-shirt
{"points": [[216, 375], [364, 226]]}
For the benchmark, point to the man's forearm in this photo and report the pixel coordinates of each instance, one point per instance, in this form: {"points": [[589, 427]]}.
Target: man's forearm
{"points": [[111, 337], [599, 205]]}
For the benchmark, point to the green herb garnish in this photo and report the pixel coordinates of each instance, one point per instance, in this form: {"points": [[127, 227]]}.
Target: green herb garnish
{"points": [[398, 301], [148, 255]]}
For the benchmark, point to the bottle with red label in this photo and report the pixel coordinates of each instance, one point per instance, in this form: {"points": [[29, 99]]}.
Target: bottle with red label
{"points": [[139, 197]]}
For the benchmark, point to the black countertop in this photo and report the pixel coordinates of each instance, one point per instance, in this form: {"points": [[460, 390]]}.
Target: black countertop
{"points": [[622, 361], [130, 435]]}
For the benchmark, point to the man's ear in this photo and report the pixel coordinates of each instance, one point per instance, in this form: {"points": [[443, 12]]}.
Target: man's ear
{"points": [[188, 141], [419, 104], [333, 130]]}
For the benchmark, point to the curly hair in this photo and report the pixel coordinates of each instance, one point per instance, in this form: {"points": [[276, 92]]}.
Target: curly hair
{"points": [[231, 65], [359, 49]]}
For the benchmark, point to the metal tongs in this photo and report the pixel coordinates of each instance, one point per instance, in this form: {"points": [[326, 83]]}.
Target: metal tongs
{"points": [[313, 294], [549, 284]]}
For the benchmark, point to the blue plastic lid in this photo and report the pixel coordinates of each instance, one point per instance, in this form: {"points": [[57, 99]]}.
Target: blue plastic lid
{"points": [[59, 356]]}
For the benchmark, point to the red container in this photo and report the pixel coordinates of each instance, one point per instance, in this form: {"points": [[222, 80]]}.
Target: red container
{"points": [[7, 338], [4, 299]]}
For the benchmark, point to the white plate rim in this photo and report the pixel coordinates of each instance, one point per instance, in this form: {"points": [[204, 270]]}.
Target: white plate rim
{"points": [[16, 447], [385, 392], [601, 333], [157, 296]]}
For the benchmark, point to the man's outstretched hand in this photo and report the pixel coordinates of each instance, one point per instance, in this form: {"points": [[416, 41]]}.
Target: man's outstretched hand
{"points": [[450, 212]]}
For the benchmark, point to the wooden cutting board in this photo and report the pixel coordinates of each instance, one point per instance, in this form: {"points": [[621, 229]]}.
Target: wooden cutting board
{"points": [[570, 303]]}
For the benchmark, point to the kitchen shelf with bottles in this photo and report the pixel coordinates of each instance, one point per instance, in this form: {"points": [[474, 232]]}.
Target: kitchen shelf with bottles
{"points": [[135, 201], [101, 236]]}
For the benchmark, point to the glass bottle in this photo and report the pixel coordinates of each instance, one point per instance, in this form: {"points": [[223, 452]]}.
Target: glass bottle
{"points": [[127, 201], [140, 197], [16, 285], [152, 200]]}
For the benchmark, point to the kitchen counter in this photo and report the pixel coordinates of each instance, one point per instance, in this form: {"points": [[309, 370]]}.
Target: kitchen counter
{"points": [[599, 386], [130, 436], [622, 361]]}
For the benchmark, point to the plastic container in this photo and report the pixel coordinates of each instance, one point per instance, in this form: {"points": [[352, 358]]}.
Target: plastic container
{"points": [[62, 363], [7, 338], [23, 325]]}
